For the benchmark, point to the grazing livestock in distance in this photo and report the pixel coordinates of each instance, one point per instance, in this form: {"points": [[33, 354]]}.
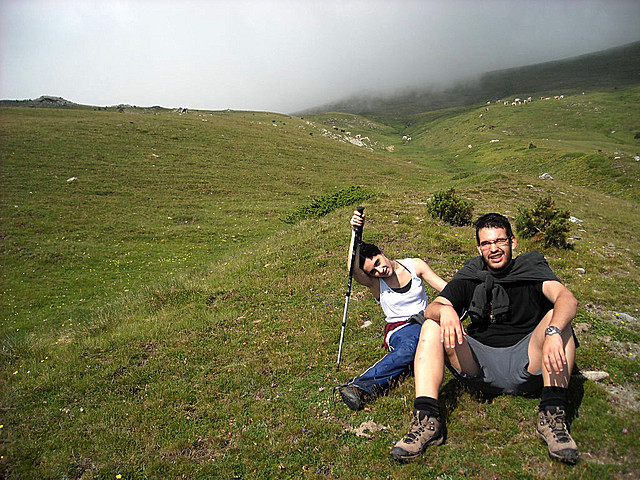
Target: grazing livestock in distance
{"points": [[519, 101]]}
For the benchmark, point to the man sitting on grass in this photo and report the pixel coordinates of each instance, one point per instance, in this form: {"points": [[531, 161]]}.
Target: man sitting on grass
{"points": [[520, 339]]}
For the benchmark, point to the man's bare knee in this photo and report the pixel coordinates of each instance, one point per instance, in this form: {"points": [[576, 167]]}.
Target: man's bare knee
{"points": [[429, 342]]}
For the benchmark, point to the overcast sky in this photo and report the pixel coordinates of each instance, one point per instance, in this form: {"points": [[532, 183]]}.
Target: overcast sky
{"points": [[284, 55]]}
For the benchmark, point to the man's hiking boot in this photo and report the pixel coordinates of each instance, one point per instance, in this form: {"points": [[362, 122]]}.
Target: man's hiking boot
{"points": [[425, 431], [354, 397], [552, 428]]}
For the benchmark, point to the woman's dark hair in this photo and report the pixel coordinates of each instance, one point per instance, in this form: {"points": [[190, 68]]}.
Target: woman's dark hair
{"points": [[493, 220], [367, 250]]}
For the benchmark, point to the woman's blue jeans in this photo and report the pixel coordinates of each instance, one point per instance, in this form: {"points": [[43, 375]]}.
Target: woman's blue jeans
{"points": [[382, 375]]}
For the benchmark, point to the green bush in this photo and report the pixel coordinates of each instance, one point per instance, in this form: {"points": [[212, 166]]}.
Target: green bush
{"points": [[447, 206], [328, 203], [544, 223]]}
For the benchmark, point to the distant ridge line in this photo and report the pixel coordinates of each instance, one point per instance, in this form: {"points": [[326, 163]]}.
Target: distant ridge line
{"points": [[617, 67], [45, 101]]}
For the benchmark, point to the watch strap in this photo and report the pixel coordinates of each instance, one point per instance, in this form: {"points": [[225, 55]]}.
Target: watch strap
{"points": [[552, 330]]}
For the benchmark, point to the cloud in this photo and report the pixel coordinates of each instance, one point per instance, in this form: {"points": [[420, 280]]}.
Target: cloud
{"points": [[283, 55]]}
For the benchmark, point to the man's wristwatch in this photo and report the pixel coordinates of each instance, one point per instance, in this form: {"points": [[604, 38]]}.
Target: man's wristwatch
{"points": [[551, 330]]}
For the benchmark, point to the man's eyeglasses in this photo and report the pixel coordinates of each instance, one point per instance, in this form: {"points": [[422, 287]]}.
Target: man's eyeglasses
{"points": [[499, 242]]}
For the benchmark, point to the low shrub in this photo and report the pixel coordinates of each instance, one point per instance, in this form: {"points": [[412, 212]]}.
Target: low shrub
{"points": [[328, 203], [449, 207], [544, 222]]}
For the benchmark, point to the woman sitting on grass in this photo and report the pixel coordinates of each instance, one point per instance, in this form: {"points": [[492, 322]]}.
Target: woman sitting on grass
{"points": [[397, 286]]}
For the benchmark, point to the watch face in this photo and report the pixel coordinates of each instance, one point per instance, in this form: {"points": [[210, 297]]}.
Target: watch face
{"points": [[551, 330]]}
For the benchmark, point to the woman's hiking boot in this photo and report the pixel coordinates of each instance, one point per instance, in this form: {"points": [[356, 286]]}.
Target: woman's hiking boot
{"points": [[425, 431], [354, 397], [552, 428]]}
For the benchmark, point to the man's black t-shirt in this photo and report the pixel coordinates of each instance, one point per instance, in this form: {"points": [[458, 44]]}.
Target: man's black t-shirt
{"points": [[527, 306]]}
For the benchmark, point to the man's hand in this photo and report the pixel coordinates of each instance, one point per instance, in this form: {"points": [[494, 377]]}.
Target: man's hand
{"points": [[553, 355], [450, 327]]}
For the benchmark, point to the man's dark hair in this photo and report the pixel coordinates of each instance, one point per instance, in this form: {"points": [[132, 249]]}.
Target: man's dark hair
{"points": [[367, 250], [493, 220]]}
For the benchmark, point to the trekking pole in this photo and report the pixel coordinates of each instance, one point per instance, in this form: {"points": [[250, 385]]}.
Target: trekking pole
{"points": [[356, 236]]}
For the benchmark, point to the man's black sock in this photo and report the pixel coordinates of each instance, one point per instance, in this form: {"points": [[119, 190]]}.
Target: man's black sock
{"points": [[427, 404], [554, 397]]}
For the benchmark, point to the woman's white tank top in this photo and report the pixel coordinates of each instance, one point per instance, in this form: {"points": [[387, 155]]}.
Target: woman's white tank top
{"points": [[400, 306]]}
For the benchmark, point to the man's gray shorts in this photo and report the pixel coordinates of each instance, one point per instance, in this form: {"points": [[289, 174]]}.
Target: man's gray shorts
{"points": [[503, 370]]}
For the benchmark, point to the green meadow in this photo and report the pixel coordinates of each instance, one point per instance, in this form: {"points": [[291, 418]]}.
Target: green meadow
{"points": [[162, 317]]}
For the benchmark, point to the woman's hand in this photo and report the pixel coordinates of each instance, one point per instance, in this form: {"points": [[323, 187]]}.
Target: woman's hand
{"points": [[357, 221]]}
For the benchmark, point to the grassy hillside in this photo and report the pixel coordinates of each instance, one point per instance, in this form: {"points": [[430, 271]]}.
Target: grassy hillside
{"points": [[160, 320]]}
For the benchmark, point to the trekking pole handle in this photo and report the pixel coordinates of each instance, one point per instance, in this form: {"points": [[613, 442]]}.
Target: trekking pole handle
{"points": [[358, 229]]}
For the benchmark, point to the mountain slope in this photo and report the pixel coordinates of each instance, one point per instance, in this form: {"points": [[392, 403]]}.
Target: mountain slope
{"points": [[159, 320], [609, 69]]}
